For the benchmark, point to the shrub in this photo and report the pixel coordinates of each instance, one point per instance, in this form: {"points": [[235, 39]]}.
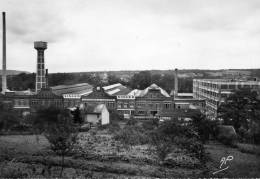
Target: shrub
{"points": [[131, 122], [150, 124], [172, 133], [248, 148], [131, 135], [205, 127], [11, 171], [226, 134], [113, 127]]}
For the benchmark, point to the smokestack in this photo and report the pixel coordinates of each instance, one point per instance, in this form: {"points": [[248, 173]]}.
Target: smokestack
{"points": [[4, 87], [46, 78], [176, 83], [40, 72]]}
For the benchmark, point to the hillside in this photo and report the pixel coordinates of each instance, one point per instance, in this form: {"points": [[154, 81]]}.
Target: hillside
{"points": [[13, 72]]}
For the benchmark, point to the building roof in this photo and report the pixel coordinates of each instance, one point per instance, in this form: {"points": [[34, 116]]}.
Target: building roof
{"points": [[112, 86], [229, 81], [46, 93], [20, 93], [141, 93], [80, 89], [124, 91], [98, 93], [116, 89]]}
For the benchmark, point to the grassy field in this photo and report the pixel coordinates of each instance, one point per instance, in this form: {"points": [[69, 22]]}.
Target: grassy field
{"points": [[242, 165], [28, 155]]}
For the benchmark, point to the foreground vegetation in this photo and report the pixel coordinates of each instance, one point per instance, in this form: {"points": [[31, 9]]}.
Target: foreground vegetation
{"points": [[25, 156]]}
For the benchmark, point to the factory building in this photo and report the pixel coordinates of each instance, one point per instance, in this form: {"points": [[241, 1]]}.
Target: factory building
{"points": [[150, 101], [126, 105], [99, 96], [215, 91], [72, 93], [46, 98], [116, 89]]}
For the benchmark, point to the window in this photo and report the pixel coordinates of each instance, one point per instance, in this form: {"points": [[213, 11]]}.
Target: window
{"points": [[167, 105]]}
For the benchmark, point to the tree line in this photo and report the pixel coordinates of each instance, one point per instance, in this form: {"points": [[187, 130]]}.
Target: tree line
{"points": [[139, 80]]}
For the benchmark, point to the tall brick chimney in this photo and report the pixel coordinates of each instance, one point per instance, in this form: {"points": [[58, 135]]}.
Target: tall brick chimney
{"points": [[4, 86], [176, 83]]}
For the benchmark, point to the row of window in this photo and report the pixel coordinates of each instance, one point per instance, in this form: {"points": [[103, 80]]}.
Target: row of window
{"points": [[153, 105], [23, 102], [110, 105], [47, 103]]}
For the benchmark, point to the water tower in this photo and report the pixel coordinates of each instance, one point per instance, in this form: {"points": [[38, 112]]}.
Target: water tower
{"points": [[40, 69]]}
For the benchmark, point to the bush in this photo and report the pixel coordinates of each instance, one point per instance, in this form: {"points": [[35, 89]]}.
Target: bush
{"points": [[150, 124], [113, 127], [227, 135], [10, 170], [248, 148], [131, 122], [182, 160], [114, 116], [172, 133], [131, 135], [205, 127]]}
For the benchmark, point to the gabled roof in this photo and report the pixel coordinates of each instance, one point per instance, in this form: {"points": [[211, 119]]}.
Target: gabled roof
{"points": [[98, 93], [112, 86], [79, 89], [141, 93], [46, 93]]}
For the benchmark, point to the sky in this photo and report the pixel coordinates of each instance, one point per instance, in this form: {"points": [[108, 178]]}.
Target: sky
{"points": [[98, 35]]}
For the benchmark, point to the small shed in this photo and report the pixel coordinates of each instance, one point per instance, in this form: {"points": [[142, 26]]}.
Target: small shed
{"points": [[96, 114]]}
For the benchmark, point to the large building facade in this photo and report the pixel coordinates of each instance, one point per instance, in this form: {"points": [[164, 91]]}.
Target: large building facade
{"points": [[152, 100], [215, 91], [99, 96]]}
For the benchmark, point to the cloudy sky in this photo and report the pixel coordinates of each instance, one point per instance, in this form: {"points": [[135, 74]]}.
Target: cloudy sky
{"points": [[91, 35]]}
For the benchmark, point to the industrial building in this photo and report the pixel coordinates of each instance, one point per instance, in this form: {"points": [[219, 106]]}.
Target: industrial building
{"points": [[151, 102], [215, 91], [72, 93], [99, 96]]}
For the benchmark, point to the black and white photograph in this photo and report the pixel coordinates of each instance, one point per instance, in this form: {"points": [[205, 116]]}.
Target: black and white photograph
{"points": [[130, 89]]}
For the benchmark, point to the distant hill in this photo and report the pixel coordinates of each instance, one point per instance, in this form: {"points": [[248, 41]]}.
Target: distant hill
{"points": [[22, 80], [183, 73], [13, 72]]}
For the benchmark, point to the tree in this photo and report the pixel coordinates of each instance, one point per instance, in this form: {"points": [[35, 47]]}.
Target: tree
{"points": [[172, 133], [141, 80], [62, 135], [242, 110], [77, 117], [58, 127], [239, 109], [112, 79], [8, 118], [204, 126]]}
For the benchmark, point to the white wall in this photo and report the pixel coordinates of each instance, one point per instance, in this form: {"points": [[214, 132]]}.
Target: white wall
{"points": [[105, 116], [92, 118]]}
